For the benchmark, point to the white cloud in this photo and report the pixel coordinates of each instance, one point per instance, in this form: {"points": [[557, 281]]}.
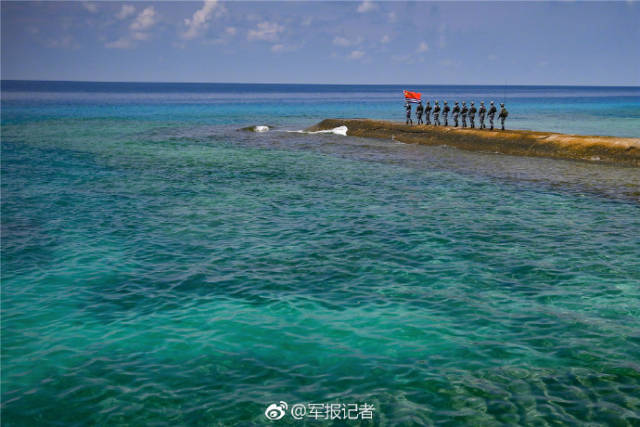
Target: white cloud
{"points": [[366, 6], [340, 41], [356, 54], [423, 47], [492, 57], [223, 38], [138, 29], [306, 21], [126, 11], [140, 36], [121, 43], [392, 17], [267, 31], [201, 17], [280, 47], [145, 20], [91, 7], [385, 39], [343, 41]]}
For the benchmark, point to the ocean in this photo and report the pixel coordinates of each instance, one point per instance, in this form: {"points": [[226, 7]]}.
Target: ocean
{"points": [[162, 266]]}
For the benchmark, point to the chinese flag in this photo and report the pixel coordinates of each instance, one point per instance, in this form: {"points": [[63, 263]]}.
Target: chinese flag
{"points": [[412, 95]]}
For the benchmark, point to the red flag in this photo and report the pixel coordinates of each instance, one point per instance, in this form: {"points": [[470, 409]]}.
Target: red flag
{"points": [[412, 96]]}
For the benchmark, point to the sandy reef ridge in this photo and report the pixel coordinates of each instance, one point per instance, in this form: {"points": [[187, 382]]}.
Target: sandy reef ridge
{"points": [[603, 149]]}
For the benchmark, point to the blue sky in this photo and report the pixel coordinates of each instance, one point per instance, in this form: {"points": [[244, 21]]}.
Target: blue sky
{"points": [[580, 43]]}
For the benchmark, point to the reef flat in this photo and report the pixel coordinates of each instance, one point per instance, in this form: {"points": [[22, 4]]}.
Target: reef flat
{"points": [[603, 149]]}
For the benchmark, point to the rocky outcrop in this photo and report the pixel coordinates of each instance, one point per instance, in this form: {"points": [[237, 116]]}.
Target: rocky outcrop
{"points": [[604, 149]]}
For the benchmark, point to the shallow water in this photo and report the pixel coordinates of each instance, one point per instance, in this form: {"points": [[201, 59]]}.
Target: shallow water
{"points": [[160, 269]]}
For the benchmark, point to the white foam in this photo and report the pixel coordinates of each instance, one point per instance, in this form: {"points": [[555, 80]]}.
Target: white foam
{"points": [[261, 128], [340, 130]]}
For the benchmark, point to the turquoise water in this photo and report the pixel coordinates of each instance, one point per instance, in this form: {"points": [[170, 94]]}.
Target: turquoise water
{"points": [[161, 267]]}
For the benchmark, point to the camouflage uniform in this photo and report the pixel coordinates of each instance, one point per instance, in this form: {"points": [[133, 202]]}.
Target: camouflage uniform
{"points": [[492, 113], [427, 113], [503, 115], [436, 115], [445, 113], [464, 114], [481, 114], [408, 108], [419, 110], [472, 115], [456, 112]]}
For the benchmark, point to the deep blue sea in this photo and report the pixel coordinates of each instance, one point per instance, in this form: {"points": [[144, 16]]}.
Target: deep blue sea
{"points": [[162, 266]]}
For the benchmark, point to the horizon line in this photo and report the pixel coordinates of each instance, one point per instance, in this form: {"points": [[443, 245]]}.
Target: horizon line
{"points": [[319, 84]]}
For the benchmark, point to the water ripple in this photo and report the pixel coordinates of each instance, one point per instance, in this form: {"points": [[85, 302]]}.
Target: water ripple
{"points": [[198, 278]]}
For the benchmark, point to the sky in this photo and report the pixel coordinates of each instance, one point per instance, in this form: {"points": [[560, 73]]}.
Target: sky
{"points": [[367, 42]]}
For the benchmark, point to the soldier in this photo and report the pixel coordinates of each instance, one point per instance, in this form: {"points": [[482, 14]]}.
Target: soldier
{"points": [[427, 113], [463, 112], [503, 115], [456, 112], [481, 114], [407, 106], [436, 114], [445, 113], [419, 110], [492, 113], [472, 115]]}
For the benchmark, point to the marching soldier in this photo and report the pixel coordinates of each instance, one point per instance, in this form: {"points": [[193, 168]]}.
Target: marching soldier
{"points": [[427, 113], [463, 112], [503, 115], [445, 113], [481, 114], [456, 112], [436, 114], [472, 115], [492, 113], [419, 110], [407, 106]]}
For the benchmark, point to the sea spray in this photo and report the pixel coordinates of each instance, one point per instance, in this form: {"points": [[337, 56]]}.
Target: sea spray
{"points": [[340, 130]]}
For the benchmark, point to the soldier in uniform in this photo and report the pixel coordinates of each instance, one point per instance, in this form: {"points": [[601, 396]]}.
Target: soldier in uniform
{"points": [[492, 113], [407, 106], [419, 110], [464, 114], [456, 112], [503, 115], [481, 114], [436, 114], [445, 113], [427, 113], [472, 115]]}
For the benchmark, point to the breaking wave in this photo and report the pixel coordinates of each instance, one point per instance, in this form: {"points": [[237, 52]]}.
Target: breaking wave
{"points": [[340, 130], [257, 128]]}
